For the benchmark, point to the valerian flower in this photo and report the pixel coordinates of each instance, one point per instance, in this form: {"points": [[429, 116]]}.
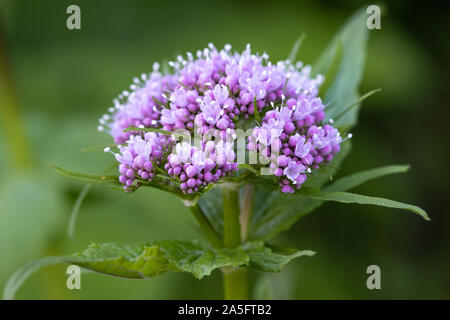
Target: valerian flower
{"points": [[217, 90]]}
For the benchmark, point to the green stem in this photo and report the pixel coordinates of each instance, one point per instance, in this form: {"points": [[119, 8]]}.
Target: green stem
{"points": [[236, 283], [246, 210], [235, 279], [206, 226], [231, 225]]}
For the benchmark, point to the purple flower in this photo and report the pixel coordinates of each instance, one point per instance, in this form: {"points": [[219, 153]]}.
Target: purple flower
{"points": [[137, 157], [302, 148], [293, 170], [219, 90]]}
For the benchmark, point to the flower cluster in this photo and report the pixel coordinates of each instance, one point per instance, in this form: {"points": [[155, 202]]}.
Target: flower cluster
{"points": [[219, 90], [139, 156], [293, 147], [196, 167]]}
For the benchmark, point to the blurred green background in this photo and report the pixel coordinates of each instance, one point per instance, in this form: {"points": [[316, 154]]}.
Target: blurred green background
{"points": [[56, 83]]}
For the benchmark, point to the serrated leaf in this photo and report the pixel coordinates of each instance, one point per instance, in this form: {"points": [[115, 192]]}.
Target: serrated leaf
{"points": [[347, 197], [264, 259], [152, 259], [140, 261], [344, 90]]}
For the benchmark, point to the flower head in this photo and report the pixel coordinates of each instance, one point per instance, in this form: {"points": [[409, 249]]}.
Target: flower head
{"points": [[218, 90]]}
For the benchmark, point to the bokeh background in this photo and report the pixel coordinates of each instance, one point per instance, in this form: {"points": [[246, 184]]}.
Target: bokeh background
{"points": [[56, 83]]}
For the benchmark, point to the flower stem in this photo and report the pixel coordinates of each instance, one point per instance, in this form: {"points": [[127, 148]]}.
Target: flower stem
{"points": [[236, 283], [235, 279], [206, 226], [246, 210], [231, 225]]}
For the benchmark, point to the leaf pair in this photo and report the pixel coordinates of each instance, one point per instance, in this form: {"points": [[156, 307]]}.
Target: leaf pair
{"points": [[146, 260]]}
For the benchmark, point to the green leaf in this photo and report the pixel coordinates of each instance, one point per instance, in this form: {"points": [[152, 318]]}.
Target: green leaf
{"points": [[152, 259], [264, 259], [140, 261], [294, 51], [347, 197], [344, 89], [275, 212], [353, 180], [332, 69], [211, 204], [90, 178]]}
